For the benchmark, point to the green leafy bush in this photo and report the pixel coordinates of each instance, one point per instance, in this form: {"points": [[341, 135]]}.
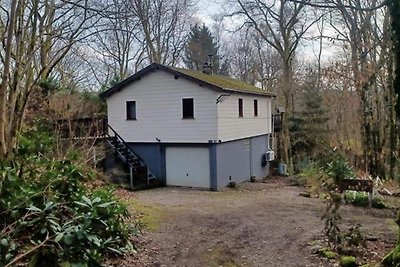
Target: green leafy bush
{"points": [[49, 218], [337, 167], [360, 199], [313, 177]]}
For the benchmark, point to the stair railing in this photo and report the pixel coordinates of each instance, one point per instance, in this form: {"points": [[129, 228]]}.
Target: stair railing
{"points": [[127, 149]]}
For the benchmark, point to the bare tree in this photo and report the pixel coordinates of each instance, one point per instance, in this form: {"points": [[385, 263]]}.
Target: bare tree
{"points": [[253, 60], [365, 31], [36, 36], [164, 26], [118, 49], [282, 24]]}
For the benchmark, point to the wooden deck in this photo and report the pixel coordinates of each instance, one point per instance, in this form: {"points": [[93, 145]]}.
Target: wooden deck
{"points": [[91, 128]]}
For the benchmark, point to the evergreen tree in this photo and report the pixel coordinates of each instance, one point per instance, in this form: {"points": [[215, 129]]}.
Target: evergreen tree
{"points": [[308, 127], [201, 43]]}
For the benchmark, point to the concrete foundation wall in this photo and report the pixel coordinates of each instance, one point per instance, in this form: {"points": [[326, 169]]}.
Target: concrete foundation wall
{"points": [[240, 159], [229, 161], [233, 162], [259, 146]]}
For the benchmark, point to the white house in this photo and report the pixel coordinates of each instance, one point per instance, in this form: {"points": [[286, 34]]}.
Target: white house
{"points": [[192, 128]]}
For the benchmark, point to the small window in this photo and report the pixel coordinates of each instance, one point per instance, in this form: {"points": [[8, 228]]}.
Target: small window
{"points": [[187, 108], [255, 107], [240, 102], [131, 110]]}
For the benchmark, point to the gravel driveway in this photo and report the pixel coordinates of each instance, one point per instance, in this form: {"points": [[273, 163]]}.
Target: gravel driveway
{"points": [[258, 224]]}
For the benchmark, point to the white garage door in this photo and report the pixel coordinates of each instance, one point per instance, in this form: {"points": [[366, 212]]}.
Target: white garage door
{"points": [[188, 166]]}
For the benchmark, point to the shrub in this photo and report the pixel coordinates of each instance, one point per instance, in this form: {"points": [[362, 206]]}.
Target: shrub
{"points": [[332, 219], [357, 198], [311, 176], [338, 168], [354, 237], [49, 218], [360, 199]]}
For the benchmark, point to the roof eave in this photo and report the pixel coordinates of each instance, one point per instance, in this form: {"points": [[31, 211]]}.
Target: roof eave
{"points": [[249, 92], [137, 76]]}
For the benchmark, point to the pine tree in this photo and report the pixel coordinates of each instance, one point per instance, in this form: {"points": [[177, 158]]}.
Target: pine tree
{"points": [[308, 127], [201, 43]]}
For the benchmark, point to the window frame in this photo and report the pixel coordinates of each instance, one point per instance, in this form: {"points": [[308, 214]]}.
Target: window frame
{"points": [[255, 109], [240, 107], [186, 116], [128, 107]]}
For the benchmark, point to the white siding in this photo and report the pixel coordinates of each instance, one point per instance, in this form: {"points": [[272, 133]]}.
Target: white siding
{"points": [[158, 99], [231, 126]]}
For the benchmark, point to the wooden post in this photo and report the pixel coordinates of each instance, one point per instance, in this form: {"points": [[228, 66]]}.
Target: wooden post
{"points": [[131, 177], [147, 176]]}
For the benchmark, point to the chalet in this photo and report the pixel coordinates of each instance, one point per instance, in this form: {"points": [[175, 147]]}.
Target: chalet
{"points": [[190, 128]]}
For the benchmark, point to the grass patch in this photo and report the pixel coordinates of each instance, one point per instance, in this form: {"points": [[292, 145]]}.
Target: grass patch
{"points": [[392, 225], [151, 216]]}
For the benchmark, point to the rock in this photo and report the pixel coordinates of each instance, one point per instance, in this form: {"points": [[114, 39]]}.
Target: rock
{"points": [[316, 249], [305, 194]]}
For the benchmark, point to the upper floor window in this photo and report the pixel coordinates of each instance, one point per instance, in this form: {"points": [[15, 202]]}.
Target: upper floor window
{"points": [[131, 110], [255, 107], [240, 105], [187, 108]]}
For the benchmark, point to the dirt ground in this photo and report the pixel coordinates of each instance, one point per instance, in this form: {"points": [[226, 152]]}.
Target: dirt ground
{"points": [[257, 224]]}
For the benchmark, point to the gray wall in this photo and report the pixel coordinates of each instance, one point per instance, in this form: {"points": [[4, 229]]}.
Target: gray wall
{"points": [[237, 159], [240, 159], [153, 154], [259, 145]]}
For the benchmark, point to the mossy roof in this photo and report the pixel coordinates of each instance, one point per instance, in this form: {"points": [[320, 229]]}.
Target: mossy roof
{"points": [[218, 82], [224, 82]]}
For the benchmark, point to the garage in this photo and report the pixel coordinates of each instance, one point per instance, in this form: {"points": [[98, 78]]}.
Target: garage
{"points": [[188, 166]]}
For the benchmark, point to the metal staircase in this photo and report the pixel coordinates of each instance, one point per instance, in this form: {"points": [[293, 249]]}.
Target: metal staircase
{"points": [[138, 170]]}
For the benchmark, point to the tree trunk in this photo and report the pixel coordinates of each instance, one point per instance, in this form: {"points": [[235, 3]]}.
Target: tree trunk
{"points": [[287, 86], [5, 82]]}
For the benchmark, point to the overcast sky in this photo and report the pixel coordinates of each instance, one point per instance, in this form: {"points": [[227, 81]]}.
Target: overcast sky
{"points": [[207, 9]]}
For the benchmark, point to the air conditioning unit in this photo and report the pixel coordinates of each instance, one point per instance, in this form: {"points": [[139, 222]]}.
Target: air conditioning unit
{"points": [[269, 155]]}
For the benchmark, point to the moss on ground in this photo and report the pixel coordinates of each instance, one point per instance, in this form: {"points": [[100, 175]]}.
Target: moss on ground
{"points": [[151, 216], [348, 261], [392, 225], [327, 253]]}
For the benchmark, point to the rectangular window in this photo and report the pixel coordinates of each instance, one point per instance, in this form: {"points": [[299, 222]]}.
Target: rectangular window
{"points": [[255, 107], [131, 110], [187, 108], [240, 102]]}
